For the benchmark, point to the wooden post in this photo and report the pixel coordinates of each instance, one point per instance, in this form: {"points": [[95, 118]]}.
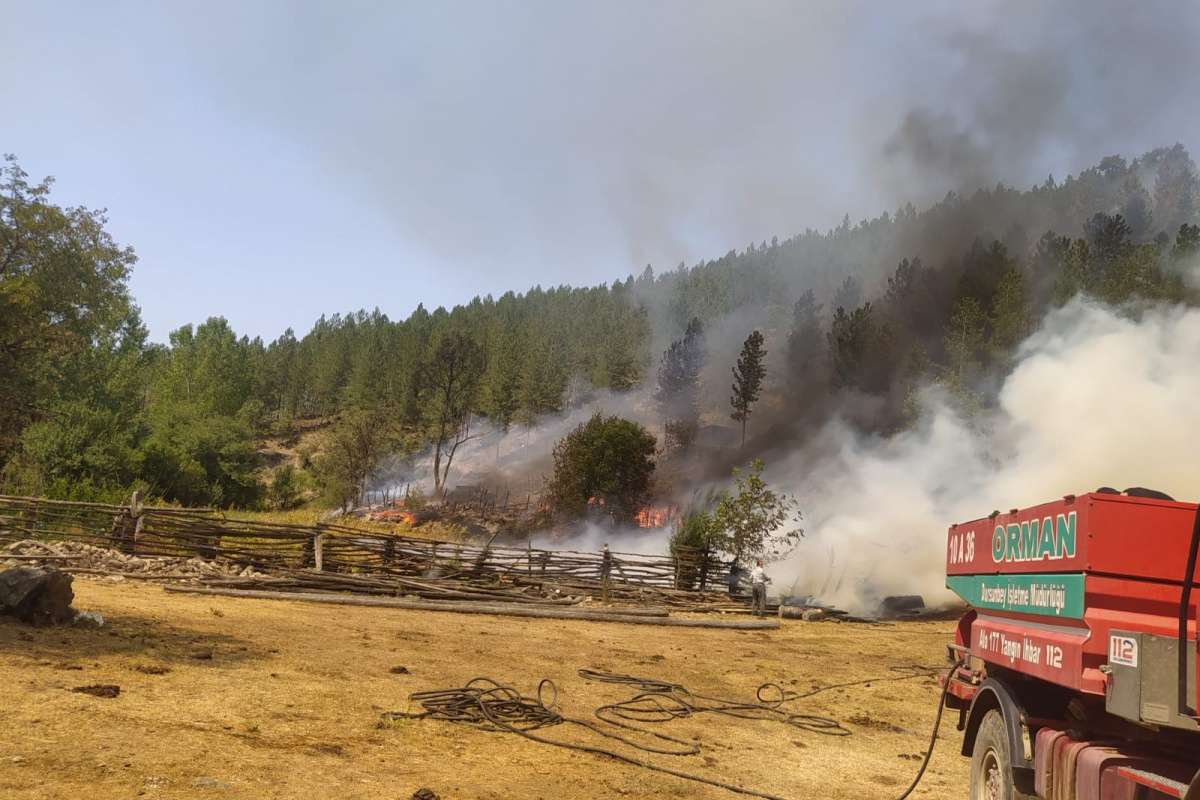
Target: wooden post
{"points": [[318, 554], [135, 511]]}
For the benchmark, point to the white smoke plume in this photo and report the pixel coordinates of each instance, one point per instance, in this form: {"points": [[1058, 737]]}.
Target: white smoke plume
{"points": [[1098, 397], [515, 461]]}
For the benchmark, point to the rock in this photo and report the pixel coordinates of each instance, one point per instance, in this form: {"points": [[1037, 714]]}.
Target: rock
{"points": [[205, 782], [399, 671], [89, 619], [152, 669], [35, 595], [203, 655], [424, 794], [99, 690]]}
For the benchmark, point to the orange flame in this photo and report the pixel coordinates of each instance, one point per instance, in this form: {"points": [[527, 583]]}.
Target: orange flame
{"points": [[655, 516], [395, 515]]}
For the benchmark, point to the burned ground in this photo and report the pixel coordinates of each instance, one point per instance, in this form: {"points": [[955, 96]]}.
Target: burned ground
{"points": [[259, 699]]}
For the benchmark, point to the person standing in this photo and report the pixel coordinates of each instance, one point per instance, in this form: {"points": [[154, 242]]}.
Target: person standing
{"points": [[758, 588], [606, 574]]}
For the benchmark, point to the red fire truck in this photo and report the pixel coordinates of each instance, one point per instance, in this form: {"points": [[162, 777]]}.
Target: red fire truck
{"points": [[1076, 666]]}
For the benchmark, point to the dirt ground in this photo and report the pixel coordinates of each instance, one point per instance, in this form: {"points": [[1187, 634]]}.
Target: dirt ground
{"points": [[232, 698]]}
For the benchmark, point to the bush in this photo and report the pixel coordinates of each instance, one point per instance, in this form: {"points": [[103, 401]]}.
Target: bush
{"points": [[285, 490], [692, 542], [748, 522], [606, 461]]}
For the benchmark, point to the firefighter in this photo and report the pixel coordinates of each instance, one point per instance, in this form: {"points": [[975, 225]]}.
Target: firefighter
{"points": [[605, 573], [758, 586]]}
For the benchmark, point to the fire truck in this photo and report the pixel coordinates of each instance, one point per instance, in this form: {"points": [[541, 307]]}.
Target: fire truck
{"points": [[1075, 669]]}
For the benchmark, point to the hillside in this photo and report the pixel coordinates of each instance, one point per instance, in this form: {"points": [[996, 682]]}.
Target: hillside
{"points": [[856, 319]]}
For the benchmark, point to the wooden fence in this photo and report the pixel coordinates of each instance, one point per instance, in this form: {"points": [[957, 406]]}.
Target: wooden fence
{"points": [[329, 547]]}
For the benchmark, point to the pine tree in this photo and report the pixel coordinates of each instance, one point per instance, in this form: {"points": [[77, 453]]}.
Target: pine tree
{"points": [[747, 379], [679, 385]]}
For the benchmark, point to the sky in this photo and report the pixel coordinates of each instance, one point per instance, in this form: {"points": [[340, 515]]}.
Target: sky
{"points": [[274, 161]]}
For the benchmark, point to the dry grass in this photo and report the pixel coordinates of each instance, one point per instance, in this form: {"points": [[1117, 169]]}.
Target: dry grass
{"points": [[440, 531], [232, 698]]}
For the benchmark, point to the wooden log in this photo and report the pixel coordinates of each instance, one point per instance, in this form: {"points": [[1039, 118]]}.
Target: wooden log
{"points": [[480, 608], [11, 557]]}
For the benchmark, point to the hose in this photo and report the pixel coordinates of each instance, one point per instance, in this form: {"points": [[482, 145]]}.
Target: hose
{"points": [[496, 706], [662, 701], [933, 736]]}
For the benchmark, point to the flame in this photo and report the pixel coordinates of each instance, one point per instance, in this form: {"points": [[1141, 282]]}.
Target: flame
{"points": [[655, 516], [395, 515]]}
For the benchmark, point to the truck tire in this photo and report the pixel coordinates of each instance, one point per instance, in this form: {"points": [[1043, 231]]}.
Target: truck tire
{"points": [[991, 763]]}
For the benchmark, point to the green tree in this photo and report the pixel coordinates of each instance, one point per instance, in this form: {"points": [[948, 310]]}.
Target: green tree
{"points": [[449, 381], [502, 382], [965, 336], [63, 289], [693, 541], [678, 390], [351, 453], [1010, 314], [606, 461], [860, 350], [747, 379], [1187, 243], [755, 521], [198, 459], [807, 372], [848, 294], [285, 489]]}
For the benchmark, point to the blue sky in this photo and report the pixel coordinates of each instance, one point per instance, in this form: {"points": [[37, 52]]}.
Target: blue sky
{"points": [[274, 161]]}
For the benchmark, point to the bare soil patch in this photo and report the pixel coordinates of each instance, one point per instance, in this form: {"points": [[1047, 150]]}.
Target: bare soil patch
{"points": [[289, 704]]}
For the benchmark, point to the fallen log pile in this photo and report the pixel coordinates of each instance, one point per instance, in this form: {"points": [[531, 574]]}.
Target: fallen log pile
{"points": [[427, 588], [509, 609]]}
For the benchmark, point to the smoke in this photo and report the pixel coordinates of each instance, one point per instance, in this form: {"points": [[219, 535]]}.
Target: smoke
{"points": [[513, 463], [1098, 397], [544, 142], [1019, 94]]}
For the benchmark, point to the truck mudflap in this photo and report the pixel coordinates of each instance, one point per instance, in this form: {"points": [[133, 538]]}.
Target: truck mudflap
{"points": [[995, 693], [1071, 769]]}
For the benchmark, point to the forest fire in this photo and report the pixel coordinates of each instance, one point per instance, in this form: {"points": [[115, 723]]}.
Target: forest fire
{"points": [[395, 515], [656, 516]]}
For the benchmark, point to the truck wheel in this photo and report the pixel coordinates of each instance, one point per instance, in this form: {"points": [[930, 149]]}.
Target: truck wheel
{"points": [[991, 764]]}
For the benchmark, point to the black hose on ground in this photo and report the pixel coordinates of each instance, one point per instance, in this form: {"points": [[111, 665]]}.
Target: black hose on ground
{"points": [[933, 736], [495, 706]]}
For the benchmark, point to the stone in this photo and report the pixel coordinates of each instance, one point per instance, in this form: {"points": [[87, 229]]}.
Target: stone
{"points": [[36, 595], [206, 782], [89, 619]]}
